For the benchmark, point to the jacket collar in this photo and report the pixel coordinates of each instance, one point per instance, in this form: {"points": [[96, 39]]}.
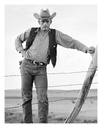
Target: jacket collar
{"points": [[38, 29]]}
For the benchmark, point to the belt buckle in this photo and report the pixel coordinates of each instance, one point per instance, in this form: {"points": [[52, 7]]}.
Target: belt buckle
{"points": [[37, 63]]}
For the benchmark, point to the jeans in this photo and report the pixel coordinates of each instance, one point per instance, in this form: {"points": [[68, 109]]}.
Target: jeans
{"points": [[38, 75]]}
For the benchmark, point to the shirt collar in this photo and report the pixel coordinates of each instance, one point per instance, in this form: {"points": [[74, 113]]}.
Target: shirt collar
{"points": [[38, 29]]}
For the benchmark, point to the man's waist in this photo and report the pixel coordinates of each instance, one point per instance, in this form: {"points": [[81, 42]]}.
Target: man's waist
{"points": [[36, 63], [36, 57]]}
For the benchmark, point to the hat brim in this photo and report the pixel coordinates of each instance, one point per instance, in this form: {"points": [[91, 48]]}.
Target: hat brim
{"points": [[37, 16]]}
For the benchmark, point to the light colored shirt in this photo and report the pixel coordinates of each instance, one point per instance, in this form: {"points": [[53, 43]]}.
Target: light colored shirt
{"points": [[39, 48]]}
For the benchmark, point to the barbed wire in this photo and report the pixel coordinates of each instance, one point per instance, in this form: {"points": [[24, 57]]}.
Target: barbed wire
{"points": [[61, 85], [65, 85], [63, 73], [57, 73], [50, 101]]}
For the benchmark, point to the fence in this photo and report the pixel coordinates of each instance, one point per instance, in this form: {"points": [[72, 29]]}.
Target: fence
{"points": [[62, 73]]}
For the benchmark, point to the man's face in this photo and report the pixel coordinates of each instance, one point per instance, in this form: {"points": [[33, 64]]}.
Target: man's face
{"points": [[45, 24]]}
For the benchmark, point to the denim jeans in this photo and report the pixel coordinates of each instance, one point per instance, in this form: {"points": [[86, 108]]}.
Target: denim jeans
{"points": [[38, 75]]}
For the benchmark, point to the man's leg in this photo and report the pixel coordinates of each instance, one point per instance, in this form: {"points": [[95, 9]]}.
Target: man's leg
{"points": [[41, 88], [27, 83]]}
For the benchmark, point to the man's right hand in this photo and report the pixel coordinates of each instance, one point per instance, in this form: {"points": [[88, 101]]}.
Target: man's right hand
{"points": [[23, 52]]}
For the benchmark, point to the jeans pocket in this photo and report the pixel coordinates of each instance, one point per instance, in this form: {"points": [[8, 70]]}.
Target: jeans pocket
{"points": [[22, 68]]}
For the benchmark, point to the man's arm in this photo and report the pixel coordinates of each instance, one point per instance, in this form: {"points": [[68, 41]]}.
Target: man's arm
{"points": [[20, 39], [68, 42]]}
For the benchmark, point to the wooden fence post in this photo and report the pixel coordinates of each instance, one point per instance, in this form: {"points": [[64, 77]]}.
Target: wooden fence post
{"points": [[85, 89]]}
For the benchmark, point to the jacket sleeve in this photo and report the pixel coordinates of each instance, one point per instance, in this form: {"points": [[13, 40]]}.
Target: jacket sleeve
{"points": [[20, 39], [68, 42]]}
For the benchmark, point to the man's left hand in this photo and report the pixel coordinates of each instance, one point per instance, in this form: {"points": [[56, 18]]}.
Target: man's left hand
{"points": [[91, 50]]}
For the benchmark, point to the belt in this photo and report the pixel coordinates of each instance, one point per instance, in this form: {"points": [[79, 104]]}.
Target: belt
{"points": [[36, 63]]}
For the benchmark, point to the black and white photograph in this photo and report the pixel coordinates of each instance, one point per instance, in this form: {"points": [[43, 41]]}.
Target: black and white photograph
{"points": [[51, 64]]}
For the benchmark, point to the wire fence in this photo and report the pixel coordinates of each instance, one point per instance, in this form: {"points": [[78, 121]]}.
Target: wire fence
{"points": [[57, 73], [62, 73], [50, 101], [56, 100]]}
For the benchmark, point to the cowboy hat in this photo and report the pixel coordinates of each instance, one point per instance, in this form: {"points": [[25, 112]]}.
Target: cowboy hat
{"points": [[44, 14]]}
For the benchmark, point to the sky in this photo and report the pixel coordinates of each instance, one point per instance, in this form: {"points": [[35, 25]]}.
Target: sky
{"points": [[77, 21]]}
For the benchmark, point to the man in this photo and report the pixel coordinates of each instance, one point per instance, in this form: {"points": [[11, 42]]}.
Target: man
{"points": [[41, 48]]}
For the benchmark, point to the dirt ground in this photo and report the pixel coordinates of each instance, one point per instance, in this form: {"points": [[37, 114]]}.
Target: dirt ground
{"points": [[61, 104]]}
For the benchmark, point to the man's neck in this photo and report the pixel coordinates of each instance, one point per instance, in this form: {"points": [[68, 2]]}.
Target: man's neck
{"points": [[44, 31]]}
